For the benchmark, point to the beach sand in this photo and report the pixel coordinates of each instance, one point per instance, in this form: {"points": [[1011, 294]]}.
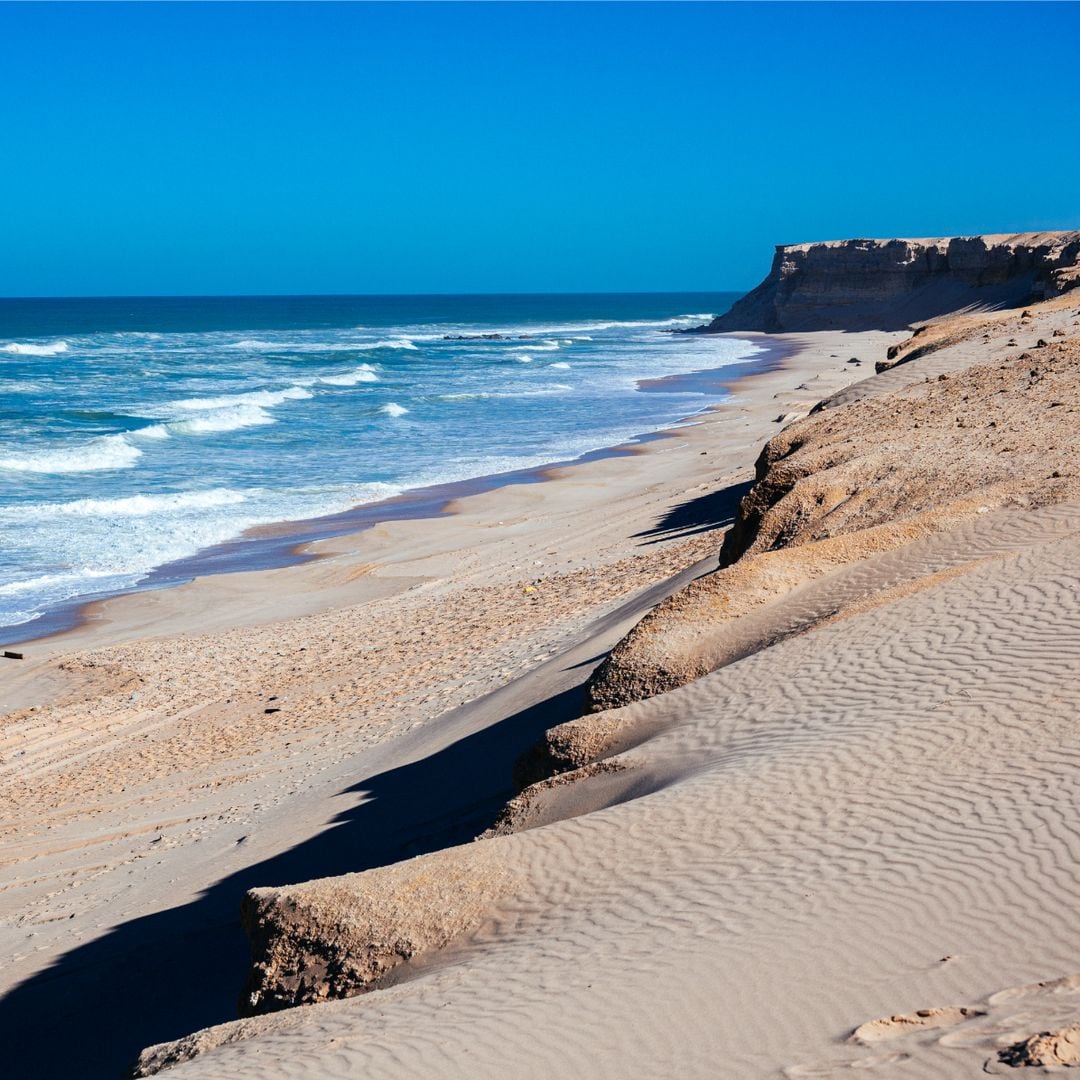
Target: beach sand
{"points": [[853, 847]]}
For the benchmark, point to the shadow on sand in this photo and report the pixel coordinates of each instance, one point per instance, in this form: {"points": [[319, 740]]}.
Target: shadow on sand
{"points": [[164, 975], [715, 510]]}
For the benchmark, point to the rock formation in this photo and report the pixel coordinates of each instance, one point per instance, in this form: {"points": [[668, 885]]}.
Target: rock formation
{"points": [[1047, 1049], [337, 937], [848, 484], [891, 284]]}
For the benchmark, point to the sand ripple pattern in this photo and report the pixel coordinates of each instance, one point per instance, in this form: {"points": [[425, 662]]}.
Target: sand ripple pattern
{"points": [[876, 817]]}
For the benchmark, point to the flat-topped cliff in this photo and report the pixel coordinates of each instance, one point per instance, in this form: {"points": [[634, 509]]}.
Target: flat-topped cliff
{"points": [[891, 284]]}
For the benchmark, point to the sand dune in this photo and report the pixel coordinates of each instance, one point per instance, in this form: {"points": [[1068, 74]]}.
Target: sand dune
{"points": [[888, 827]]}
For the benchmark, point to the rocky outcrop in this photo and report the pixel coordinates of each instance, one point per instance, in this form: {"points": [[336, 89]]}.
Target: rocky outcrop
{"points": [[892, 284], [1047, 1049], [341, 936], [850, 484]]}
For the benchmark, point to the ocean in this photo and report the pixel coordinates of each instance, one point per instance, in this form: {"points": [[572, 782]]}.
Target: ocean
{"points": [[135, 433]]}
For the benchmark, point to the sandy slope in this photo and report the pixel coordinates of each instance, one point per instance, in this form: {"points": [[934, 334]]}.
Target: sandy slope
{"points": [[144, 786], [887, 827], [859, 479]]}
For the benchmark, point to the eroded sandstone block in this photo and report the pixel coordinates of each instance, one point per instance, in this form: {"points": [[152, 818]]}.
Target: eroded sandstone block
{"points": [[341, 936]]}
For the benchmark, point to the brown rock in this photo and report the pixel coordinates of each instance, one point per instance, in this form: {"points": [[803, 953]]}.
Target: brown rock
{"points": [[851, 481], [1048, 1048], [341, 936]]}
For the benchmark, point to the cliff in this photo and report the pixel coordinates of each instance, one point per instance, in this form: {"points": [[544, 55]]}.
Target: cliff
{"points": [[891, 284]]}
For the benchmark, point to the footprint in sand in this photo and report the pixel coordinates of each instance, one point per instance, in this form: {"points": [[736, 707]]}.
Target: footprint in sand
{"points": [[892, 1027], [881, 1030], [1034, 1025]]}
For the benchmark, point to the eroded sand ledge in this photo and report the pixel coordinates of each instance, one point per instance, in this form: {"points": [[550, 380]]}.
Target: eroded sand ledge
{"points": [[870, 814]]}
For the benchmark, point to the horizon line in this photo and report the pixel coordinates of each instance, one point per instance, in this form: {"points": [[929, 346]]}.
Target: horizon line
{"points": [[371, 295]]}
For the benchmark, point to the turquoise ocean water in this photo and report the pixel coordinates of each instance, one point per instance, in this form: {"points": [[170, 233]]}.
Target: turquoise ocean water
{"points": [[138, 432]]}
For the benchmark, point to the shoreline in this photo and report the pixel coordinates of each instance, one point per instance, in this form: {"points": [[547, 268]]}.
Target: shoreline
{"points": [[249, 729], [286, 543]]}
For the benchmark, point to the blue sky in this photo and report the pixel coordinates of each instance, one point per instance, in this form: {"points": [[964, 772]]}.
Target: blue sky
{"points": [[212, 148]]}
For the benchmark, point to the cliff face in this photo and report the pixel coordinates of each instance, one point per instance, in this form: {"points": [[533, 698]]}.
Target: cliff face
{"points": [[891, 284]]}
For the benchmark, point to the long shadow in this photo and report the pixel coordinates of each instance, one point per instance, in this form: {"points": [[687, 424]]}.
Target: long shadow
{"points": [[711, 511], [164, 975]]}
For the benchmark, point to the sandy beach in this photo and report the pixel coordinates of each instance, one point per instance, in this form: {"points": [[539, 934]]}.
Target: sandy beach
{"points": [[183, 738], [539, 541], [821, 821]]}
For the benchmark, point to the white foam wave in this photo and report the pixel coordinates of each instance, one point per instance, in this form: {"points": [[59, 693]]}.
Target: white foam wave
{"points": [[577, 331], [560, 366], [523, 359], [538, 391], [260, 345], [364, 373], [217, 420], [132, 506], [105, 452], [20, 349], [391, 343], [47, 581], [255, 344], [392, 408], [81, 539], [263, 399], [483, 395], [152, 431]]}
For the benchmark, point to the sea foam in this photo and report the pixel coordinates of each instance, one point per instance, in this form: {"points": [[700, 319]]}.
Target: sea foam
{"points": [[131, 506], [259, 345], [262, 398], [364, 373], [392, 408], [106, 452], [20, 349], [234, 418]]}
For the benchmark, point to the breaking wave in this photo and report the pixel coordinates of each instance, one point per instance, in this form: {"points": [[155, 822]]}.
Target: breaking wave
{"points": [[259, 345], [20, 349], [364, 373], [264, 399], [106, 452]]}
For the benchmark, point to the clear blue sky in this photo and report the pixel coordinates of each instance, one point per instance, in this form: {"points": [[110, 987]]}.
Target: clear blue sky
{"points": [[250, 148]]}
